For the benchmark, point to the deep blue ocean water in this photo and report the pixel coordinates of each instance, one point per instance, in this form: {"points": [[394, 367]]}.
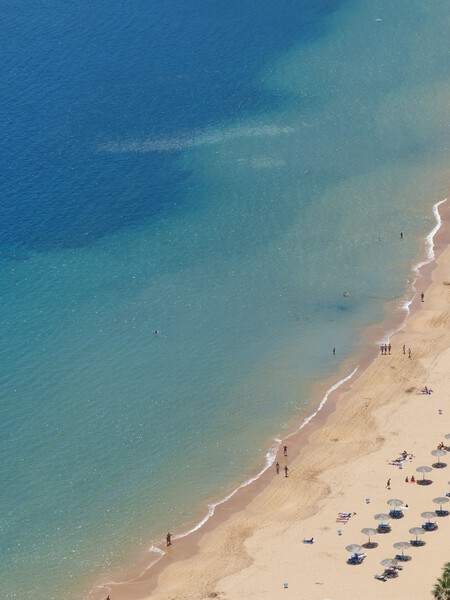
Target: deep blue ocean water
{"points": [[218, 174]]}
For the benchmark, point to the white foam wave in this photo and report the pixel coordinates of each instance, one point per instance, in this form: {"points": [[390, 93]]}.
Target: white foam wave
{"points": [[429, 240], [208, 137], [322, 403], [429, 243], [156, 550], [107, 586], [270, 457]]}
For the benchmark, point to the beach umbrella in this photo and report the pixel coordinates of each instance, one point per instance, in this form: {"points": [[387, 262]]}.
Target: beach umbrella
{"points": [[417, 531], [395, 502], [382, 517], [401, 546], [389, 562], [428, 515], [439, 453], [441, 501], [424, 470], [369, 531], [354, 548]]}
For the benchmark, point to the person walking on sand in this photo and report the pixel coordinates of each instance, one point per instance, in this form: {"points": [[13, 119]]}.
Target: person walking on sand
{"points": [[404, 349], [382, 348], [409, 352], [277, 468], [422, 296], [285, 450], [388, 484], [169, 539], [389, 347], [286, 471]]}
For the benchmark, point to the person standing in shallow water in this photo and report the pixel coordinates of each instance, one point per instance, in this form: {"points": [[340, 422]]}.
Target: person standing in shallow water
{"points": [[169, 539], [422, 297]]}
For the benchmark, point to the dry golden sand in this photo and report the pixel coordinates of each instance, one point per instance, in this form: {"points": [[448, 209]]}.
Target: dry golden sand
{"points": [[257, 549]]}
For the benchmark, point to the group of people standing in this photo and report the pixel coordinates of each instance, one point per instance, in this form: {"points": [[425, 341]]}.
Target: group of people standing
{"points": [[386, 349], [286, 468]]}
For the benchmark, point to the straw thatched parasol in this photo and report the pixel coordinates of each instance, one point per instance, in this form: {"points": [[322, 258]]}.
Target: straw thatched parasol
{"points": [[438, 452], [424, 470], [395, 502], [401, 546], [417, 531], [441, 500], [369, 531]]}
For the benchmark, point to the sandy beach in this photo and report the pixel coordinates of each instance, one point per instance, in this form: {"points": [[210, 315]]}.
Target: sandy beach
{"points": [[345, 465]]}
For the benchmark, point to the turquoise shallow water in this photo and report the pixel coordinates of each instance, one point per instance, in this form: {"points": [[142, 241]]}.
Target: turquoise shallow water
{"points": [[232, 230]]}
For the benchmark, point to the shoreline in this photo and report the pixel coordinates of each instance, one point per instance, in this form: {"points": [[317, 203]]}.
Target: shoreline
{"points": [[144, 578]]}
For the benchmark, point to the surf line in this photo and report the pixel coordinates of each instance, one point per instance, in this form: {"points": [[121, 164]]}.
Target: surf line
{"points": [[430, 257], [270, 459], [271, 454]]}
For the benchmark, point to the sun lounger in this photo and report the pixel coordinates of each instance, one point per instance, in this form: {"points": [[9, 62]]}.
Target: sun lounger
{"points": [[343, 517], [384, 528], [390, 573], [398, 462], [380, 577], [356, 559], [396, 513], [429, 526], [402, 557]]}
